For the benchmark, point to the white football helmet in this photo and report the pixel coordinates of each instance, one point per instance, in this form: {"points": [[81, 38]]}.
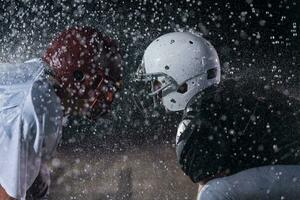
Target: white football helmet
{"points": [[179, 65]]}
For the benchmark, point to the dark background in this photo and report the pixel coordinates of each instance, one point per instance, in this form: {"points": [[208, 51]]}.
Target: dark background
{"points": [[254, 39], [125, 155]]}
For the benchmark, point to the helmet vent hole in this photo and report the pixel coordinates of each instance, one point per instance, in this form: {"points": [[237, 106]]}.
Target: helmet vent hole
{"points": [[172, 41], [167, 67], [78, 75], [173, 101], [191, 42], [183, 88]]}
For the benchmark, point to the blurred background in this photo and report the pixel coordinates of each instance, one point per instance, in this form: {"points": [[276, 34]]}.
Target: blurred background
{"points": [[129, 154]]}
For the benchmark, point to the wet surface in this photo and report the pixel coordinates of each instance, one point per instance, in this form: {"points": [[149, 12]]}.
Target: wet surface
{"points": [[137, 172]]}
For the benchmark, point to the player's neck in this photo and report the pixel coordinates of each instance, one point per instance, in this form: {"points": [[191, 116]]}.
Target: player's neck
{"points": [[4, 195]]}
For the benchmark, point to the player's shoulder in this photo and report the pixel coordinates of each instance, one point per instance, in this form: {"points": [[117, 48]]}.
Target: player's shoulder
{"points": [[232, 91], [15, 84], [18, 74], [23, 85]]}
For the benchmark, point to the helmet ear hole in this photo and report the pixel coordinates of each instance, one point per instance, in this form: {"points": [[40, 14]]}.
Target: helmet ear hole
{"points": [[183, 88], [78, 75], [212, 73]]}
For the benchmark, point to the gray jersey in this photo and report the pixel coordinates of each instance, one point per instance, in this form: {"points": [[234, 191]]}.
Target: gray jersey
{"points": [[30, 124], [262, 183]]}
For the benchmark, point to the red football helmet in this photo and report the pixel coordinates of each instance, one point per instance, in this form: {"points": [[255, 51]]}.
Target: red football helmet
{"points": [[87, 65]]}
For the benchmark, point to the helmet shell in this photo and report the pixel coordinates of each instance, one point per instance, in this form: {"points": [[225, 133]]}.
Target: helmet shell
{"points": [[87, 64], [186, 58]]}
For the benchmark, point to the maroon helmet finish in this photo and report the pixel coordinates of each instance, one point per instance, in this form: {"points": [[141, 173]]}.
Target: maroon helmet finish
{"points": [[88, 65]]}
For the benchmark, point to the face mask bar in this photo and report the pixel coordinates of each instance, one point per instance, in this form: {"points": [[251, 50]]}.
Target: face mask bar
{"points": [[166, 81], [104, 96], [159, 84]]}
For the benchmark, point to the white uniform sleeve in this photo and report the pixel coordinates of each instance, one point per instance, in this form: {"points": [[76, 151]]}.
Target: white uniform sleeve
{"points": [[49, 114], [268, 182], [30, 128]]}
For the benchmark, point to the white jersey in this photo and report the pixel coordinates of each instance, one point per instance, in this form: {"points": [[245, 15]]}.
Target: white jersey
{"points": [[30, 124], [261, 183]]}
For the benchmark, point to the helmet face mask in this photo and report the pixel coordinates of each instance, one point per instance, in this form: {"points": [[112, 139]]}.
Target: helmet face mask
{"points": [[183, 64], [161, 87], [156, 85]]}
